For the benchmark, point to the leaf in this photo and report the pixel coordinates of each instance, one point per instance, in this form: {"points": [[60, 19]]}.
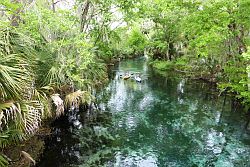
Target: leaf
{"points": [[28, 157], [59, 104], [3, 161]]}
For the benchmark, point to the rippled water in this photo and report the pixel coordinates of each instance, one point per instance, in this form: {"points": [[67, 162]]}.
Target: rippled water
{"points": [[169, 122], [174, 122]]}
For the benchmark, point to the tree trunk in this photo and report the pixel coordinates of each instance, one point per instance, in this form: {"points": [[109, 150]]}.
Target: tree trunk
{"points": [[84, 15], [171, 51], [53, 6]]}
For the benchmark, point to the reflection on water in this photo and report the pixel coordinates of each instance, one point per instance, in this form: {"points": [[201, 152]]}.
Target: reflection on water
{"points": [[136, 159], [160, 122], [173, 122]]}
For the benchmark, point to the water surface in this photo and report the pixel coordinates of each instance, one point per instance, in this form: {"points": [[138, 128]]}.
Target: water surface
{"points": [[174, 122], [164, 122]]}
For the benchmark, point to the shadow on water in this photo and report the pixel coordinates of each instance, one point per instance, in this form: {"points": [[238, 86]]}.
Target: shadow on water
{"points": [[77, 137], [158, 122], [57, 152]]}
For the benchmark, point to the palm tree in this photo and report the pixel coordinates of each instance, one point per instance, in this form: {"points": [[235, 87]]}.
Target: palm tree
{"points": [[21, 110]]}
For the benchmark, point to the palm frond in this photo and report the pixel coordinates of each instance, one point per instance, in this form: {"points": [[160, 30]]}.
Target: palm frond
{"points": [[13, 79], [11, 136], [59, 104], [41, 95], [9, 112], [73, 100], [26, 116], [28, 157], [32, 114], [17, 120], [55, 76], [3, 161]]}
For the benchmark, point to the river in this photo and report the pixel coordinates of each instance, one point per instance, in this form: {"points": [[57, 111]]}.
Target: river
{"points": [[160, 122]]}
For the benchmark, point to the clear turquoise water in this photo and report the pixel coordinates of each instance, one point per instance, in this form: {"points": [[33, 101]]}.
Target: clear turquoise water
{"points": [[174, 122], [161, 122]]}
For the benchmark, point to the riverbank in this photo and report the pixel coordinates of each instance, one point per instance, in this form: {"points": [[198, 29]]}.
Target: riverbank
{"points": [[217, 77], [68, 128], [35, 145], [28, 152], [182, 68]]}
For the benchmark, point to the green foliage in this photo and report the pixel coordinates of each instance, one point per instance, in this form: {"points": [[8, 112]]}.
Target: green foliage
{"points": [[42, 60], [207, 29], [214, 33], [20, 109], [3, 161], [162, 65], [121, 43], [238, 79], [246, 55], [137, 41], [9, 6], [182, 61]]}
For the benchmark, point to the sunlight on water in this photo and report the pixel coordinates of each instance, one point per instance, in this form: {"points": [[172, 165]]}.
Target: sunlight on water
{"points": [[146, 101], [177, 123], [131, 122], [136, 159], [160, 122], [118, 99]]}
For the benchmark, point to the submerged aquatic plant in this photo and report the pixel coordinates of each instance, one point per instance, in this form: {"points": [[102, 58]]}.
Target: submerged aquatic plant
{"points": [[95, 140]]}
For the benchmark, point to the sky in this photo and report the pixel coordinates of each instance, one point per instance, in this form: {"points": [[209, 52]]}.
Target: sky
{"points": [[65, 4], [118, 21]]}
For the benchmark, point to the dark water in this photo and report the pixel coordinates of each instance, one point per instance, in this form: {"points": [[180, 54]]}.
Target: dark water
{"points": [[161, 122]]}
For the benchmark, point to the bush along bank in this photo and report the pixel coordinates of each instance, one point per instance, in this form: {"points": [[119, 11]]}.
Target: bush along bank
{"points": [[47, 66], [231, 78], [38, 84]]}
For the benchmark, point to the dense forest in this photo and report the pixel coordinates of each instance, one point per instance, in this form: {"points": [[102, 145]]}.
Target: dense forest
{"points": [[54, 54]]}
